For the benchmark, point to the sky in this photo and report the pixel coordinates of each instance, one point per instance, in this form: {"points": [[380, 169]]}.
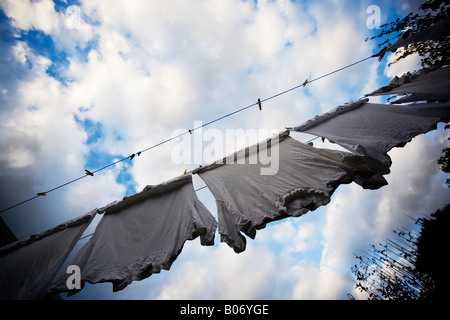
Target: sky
{"points": [[85, 83]]}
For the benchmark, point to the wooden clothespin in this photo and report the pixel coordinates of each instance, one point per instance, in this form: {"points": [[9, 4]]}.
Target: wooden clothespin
{"points": [[41, 194], [305, 83], [88, 172]]}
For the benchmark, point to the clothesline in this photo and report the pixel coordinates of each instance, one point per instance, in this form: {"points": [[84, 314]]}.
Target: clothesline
{"points": [[130, 157]]}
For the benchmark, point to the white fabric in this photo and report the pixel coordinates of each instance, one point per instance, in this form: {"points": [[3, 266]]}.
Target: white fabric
{"points": [[423, 85], [27, 267], [141, 235], [305, 180], [369, 129]]}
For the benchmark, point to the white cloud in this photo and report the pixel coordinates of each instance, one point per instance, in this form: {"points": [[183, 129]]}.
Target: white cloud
{"points": [[292, 236], [90, 191]]}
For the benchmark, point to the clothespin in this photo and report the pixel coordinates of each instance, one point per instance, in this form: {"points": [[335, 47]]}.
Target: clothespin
{"points": [[289, 128], [305, 83], [190, 131], [185, 171], [259, 104], [139, 153], [132, 156], [88, 172], [41, 194]]}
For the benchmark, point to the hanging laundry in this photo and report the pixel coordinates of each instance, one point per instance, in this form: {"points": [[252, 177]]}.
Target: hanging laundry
{"points": [[436, 31], [371, 130], [303, 178], [429, 84], [141, 235], [27, 267]]}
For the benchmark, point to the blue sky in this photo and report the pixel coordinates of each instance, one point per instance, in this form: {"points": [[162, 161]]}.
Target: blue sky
{"points": [[86, 83]]}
